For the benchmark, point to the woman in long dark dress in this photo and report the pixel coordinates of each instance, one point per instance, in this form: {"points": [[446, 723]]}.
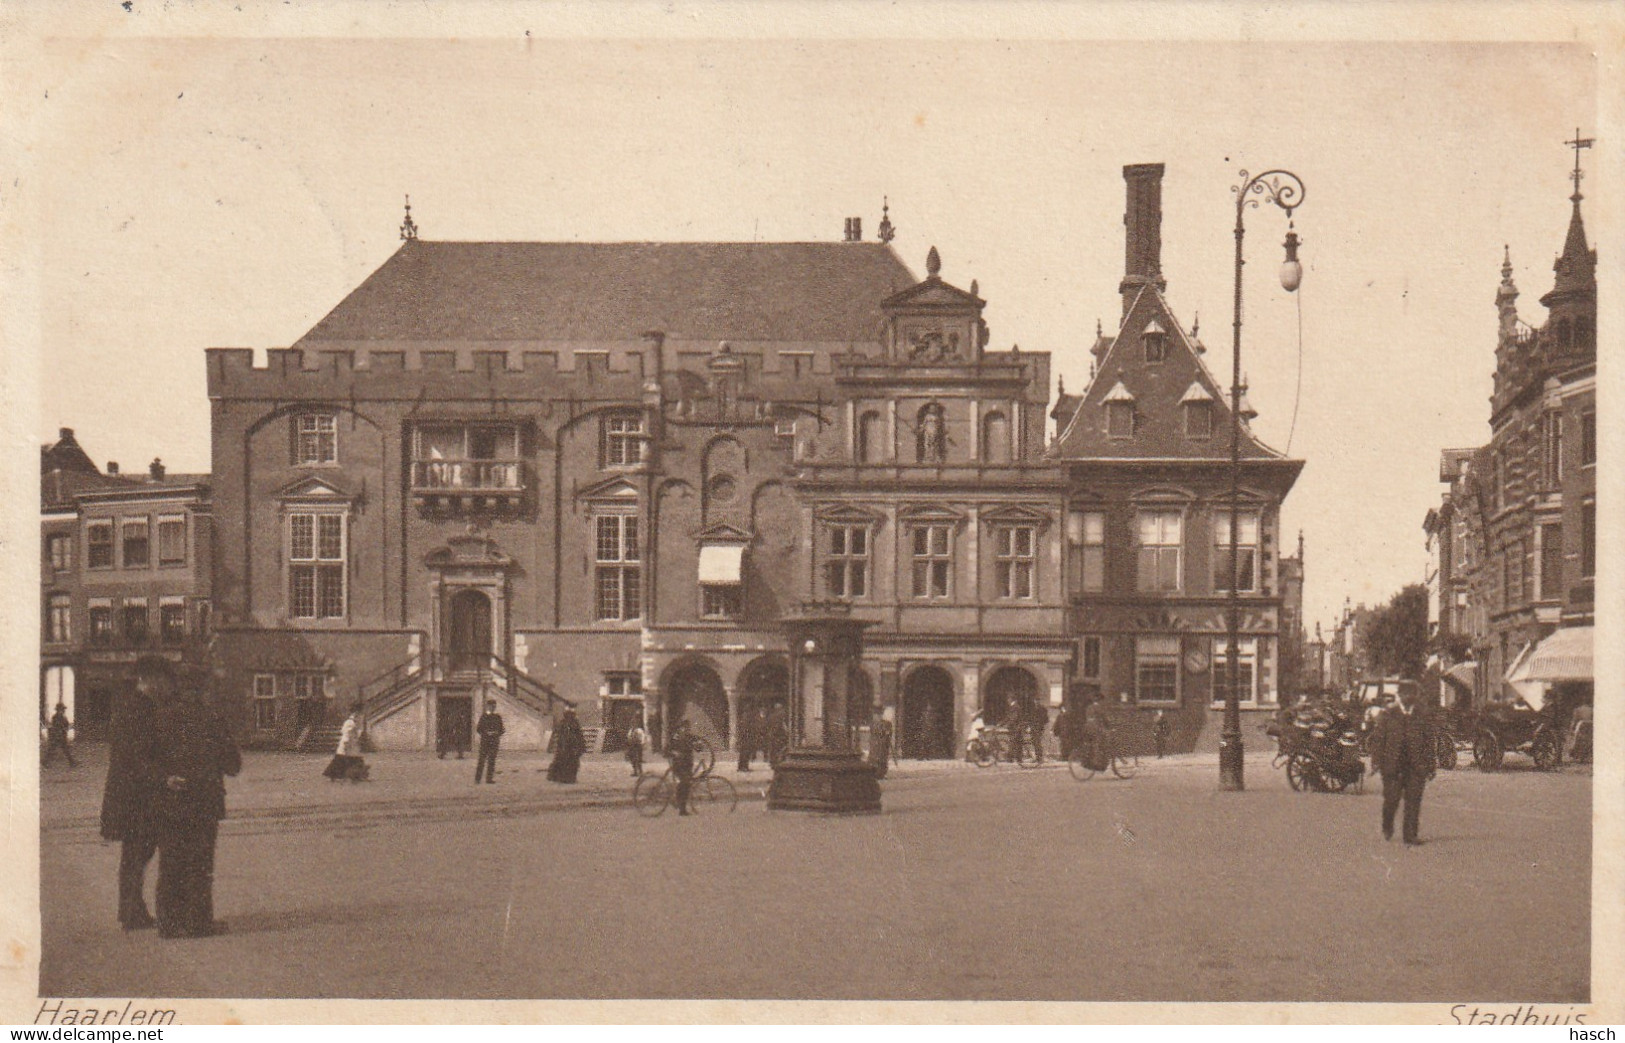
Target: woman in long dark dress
{"points": [[570, 744]]}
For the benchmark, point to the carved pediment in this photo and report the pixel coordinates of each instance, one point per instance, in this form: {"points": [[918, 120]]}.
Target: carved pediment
{"points": [[312, 489], [932, 293], [1016, 514], [919, 513], [614, 489], [847, 514], [724, 533]]}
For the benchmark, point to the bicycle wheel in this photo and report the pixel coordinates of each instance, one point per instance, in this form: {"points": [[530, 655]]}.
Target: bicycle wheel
{"points": [[705, 756], [713, 793], [653, 793], [1124, 766], [984, 753], [1079, 767]]}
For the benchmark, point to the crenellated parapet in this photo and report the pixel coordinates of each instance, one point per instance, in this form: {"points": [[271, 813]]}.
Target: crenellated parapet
{"points": [[619, 369]]}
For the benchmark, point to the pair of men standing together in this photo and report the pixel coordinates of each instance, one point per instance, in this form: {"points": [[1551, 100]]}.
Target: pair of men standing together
{"points": [[166, 792]]}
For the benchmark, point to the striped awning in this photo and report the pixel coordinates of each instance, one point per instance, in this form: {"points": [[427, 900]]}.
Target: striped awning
{"points": [[1517, 678], [1565, 655]]}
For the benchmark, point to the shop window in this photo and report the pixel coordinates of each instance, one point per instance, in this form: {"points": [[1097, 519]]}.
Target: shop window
{"points": [[1246, 658], [1156, 669]]}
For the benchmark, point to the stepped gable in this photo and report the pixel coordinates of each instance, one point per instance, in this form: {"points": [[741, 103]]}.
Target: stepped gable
{"points": [[517, 292], [1158, 391]]}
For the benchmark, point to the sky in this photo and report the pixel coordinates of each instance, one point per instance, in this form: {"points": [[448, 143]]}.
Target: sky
{"points": [[203, 192]]}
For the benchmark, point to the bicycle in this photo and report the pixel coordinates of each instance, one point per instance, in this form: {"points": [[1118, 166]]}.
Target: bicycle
{"points": [[707, 792], [1084, 757], [995, 744]]}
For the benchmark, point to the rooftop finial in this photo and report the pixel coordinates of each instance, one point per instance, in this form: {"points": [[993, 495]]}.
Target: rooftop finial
{"points": [[1577, 144], [975, 287], [1060, 384], [933, 263], [887, 230], [1506, 261], [1196, 326], [409, 227]]}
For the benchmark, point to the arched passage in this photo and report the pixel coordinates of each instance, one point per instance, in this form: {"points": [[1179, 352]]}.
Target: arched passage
{"points": [[927, 726], [695, 691], [1008, 695]]}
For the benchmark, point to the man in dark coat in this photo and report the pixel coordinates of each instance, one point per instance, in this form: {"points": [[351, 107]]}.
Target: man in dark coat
{"points": [[56, 734], [1402, 750], [130, 798], [777, 739], [570, 742], [490, 732], [191, 752], [680, 752], [1063, 728]]}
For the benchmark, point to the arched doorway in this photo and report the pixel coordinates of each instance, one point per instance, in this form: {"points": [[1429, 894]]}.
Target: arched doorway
{"points": [[927, 725], [468, 638], [695, 691], [762, 685], [1009, 692]]}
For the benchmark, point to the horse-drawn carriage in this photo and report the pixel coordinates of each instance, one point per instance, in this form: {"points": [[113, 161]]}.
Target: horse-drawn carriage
{"points": [[1513, 727]]}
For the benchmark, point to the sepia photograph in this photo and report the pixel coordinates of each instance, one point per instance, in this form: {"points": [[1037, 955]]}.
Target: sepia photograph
{"points": [[1079, 514]]}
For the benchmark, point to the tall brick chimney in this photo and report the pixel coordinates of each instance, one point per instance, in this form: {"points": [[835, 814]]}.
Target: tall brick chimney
{"points": [[1142, 225]]}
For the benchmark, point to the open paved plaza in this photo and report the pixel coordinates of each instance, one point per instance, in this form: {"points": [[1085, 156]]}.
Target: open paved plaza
{"points": [[999, 884]]}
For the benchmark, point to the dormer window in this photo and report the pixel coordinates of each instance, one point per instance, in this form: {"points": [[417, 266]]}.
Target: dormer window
{"points": [[1155, 340], [1119, 412], [1197, 406], [1120, 419]]}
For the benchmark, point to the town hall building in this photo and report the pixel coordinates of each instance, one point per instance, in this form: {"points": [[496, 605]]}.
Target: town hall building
{"points": [[604, 474]]}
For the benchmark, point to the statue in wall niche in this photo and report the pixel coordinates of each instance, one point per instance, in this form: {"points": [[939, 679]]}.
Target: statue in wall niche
{"points": [[933, 439], [933, 346]]}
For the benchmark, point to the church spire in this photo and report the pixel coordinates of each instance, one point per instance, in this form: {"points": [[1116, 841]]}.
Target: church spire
{"points": [[1576, 267]]}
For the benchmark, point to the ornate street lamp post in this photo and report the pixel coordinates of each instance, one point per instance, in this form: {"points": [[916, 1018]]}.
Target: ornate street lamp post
{"points": [[1285, 190]]}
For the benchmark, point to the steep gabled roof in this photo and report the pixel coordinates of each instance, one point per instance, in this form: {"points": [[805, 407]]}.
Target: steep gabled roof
{"points": [[1158, 392], [445, 291]]}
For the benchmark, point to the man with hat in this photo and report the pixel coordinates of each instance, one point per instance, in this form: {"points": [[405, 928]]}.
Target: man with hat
{"points": [[490, 732]]}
